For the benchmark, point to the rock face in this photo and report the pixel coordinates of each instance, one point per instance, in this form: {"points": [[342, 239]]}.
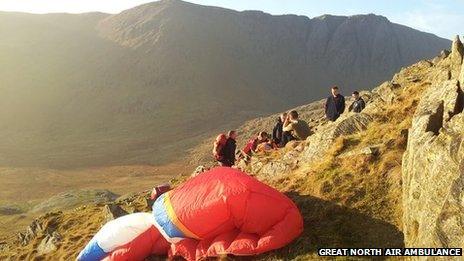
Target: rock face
{"points": [[433, 164], [457, 52], [461, 78]]}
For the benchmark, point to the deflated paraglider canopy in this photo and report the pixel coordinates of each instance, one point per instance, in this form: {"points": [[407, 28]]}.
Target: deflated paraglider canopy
{"points": [[221, 211]]}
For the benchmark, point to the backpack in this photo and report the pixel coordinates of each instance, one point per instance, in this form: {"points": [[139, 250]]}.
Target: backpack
{"points": [[219, 145]]}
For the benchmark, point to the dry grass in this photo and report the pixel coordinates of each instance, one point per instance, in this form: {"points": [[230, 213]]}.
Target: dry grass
{"points": [[76, 227], [370, 183], [354, 201]]}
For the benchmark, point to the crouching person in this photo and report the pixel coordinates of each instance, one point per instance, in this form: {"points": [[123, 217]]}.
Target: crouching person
{"points": [[294, 129]]}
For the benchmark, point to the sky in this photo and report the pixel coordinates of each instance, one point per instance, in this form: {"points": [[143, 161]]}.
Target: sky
{"points": [[444, 18]]}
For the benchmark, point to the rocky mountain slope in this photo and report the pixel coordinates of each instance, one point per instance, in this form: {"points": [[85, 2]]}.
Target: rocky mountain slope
{"points": [[433, 165], [361, 181], [147, 84]]}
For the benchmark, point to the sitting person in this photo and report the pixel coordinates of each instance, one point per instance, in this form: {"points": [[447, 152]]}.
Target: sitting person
{"points": [[278, 129], [253, 143], [266, 146], [294, 129], [358, 105]]}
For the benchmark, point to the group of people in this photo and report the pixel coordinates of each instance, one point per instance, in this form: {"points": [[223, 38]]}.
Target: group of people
{"points": [[289, 127], [335, 104]]}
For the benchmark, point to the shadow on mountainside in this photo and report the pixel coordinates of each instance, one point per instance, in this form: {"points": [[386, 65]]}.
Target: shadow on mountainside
{"points": [[328, 225]]}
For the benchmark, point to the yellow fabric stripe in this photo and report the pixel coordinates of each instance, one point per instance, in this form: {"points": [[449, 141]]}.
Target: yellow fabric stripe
{"points": [[172, 215]]}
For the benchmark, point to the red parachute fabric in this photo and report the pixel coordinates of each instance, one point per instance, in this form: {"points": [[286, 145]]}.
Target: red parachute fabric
{"points": [[225, 211], [151, 242], [219, 212]]}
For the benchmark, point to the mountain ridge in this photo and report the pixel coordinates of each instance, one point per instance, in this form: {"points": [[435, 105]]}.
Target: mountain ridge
{"points": [[140, 86]]}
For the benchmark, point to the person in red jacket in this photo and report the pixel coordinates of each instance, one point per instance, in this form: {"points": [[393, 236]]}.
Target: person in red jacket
{"points": [[252, 144]]}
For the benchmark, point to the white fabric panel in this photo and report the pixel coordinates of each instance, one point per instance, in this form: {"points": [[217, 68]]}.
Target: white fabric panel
{"points": [[172, 240], [123, 230]]}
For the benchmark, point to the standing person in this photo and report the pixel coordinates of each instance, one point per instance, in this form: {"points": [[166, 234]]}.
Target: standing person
{"points": [[218, 148], [277, 132], [335, 105], [294, 128], [229, 149], [358, 105]]}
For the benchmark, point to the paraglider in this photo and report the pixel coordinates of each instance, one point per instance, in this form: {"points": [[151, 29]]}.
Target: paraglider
{"points": [[130, 237], [219, 212]]}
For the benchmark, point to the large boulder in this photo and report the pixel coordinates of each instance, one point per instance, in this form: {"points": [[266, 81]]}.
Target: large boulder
{"points": [[385, 92], [433, 167], [322, 140]]}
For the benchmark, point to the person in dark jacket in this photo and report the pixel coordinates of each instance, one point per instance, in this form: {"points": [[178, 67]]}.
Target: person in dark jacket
{"points": [[358, 105], [278, 129], [229, 150], [335, 105]]}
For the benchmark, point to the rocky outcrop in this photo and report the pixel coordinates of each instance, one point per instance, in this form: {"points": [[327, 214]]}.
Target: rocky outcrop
{"points": [[313, 148], [457, 52], [324, 138], [113, 211], [49, 243], [31, 232], [461, 78], [433, 164]]}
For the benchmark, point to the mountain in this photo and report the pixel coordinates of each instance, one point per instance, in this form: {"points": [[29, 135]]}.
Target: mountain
{"points": [[359, 182], [146, 85]]}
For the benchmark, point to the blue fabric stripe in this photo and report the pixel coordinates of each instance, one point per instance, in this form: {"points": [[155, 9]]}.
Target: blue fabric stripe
{"points": [[163, 220], [92, 252]]}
